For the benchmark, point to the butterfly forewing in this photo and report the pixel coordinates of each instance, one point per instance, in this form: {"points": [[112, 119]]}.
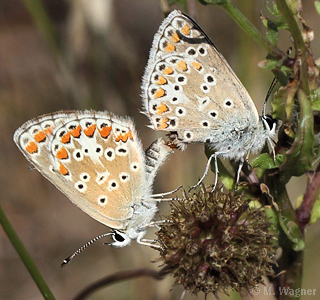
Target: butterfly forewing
{"points": [[188, 87], [94, 158]]}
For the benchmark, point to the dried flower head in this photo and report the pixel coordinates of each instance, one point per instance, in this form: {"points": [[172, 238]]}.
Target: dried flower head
{"points": [[214, 242]]}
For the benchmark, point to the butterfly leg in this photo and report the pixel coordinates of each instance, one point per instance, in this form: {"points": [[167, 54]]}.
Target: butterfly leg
{"points": [[155, 224], [167, 193], [214, 155], [238, 174], [146, 242]]}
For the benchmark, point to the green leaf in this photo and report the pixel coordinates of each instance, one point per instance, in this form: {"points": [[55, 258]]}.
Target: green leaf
{"points": [[272, 33], [283, 101], [315, 99], [265, 161], [298, 159]]}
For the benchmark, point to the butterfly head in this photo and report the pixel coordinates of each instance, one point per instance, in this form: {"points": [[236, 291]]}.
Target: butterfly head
{"points": [[121, 239], [270, 125]]}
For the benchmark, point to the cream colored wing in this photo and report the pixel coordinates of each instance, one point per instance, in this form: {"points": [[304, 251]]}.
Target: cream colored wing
{"points": [[95, 159], [188, 87]]}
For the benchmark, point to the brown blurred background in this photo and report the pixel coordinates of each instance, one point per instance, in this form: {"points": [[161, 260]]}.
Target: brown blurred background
{"points": [[97, 64]]}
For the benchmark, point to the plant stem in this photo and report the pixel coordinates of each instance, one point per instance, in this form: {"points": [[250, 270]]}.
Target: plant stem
{"points": [[301, 50], [25, 257], [247, 26], [43, 22]]}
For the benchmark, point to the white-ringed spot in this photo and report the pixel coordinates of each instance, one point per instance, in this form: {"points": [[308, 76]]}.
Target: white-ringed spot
{"points": [[209, 79], [134, 167], [85, 177], [121, 151], [213, 114], [80, 186], [188, 135], [180, 111], [205, 88], [205, 124], [202, 50], [77, 155], [191, 51], [124, 176], [112, 185], [102, 200], [102, 177], [99, 150], [228, 103], [181, 79], [109, 154]]}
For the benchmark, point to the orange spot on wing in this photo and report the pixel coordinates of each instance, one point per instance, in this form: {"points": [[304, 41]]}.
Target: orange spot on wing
{"points": [[159, 93], [175, 38], [124, 137], [65, 138], [185, 30], [167, 71], [62, 153], [32, 147], [76, 131], [161, 80], [90, 130], [170, 47], [48, 131], [163, 124], [105, 131], [40, 136], [63, 170], [182, 65], [162, 108], [196, 65]]}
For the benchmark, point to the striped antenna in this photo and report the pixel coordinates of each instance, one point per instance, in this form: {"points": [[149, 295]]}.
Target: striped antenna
{"points": [[74, 254], [273, 84]]}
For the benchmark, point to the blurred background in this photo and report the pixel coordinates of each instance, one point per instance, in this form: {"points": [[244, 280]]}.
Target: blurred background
{"points": [[96, 62]]}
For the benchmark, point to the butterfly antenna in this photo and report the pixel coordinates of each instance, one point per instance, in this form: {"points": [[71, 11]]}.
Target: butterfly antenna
{"points": [[273, 84], [74, 254]]}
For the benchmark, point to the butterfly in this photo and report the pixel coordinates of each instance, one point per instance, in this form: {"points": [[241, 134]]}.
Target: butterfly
{"points": [[191, 92], [96, 159]]}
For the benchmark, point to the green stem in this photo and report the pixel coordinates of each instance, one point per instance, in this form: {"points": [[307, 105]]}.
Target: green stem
{"points": [[43, 22], [25, 257], [247, 26], [301, 50], [291, 239]]}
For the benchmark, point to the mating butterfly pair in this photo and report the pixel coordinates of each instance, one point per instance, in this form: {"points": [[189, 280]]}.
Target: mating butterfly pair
{"points": [[97, 159]]}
